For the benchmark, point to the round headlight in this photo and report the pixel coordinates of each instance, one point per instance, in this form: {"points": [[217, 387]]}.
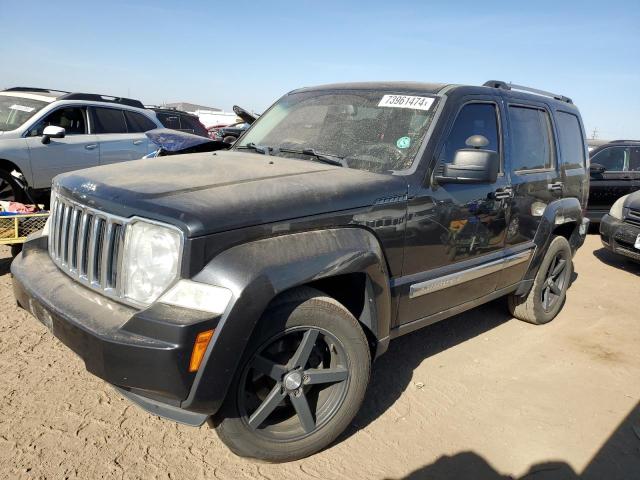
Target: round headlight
{"points": [[616, 208], [150, 261]]}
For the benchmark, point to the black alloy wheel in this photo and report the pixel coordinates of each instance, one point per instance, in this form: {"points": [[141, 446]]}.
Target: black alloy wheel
{"points": [[294, 384], [301, 381], [556, 279]]}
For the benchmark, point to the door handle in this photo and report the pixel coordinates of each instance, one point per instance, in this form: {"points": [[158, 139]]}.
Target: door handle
{"points": [[503, 193], [555, 187], [91, 146], [137, 142]]}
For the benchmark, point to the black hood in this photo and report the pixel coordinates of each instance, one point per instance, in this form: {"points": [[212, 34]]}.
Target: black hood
{"points": [[206, 193]]}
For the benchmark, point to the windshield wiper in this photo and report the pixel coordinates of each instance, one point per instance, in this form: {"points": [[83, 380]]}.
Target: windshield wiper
{"points": [[322, 157], [263, 149]]}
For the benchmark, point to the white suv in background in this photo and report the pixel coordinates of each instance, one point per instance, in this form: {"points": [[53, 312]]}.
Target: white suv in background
{"points": [[47, 132]]}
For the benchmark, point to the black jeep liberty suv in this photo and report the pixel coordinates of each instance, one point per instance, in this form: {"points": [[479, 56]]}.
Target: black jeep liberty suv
{"points": [[252, 288]]}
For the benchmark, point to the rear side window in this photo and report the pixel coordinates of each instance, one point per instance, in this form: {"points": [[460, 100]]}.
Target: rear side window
{"points": [[473, 119], [634, 159], [192, 125], [531, 144], [613, 159], [138, 123], [570, 140], [109, 120], [169, 120]]}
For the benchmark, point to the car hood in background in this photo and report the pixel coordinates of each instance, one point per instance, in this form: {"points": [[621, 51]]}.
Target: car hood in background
{"points": [[175, 140], [244, 115], [205, 193]]}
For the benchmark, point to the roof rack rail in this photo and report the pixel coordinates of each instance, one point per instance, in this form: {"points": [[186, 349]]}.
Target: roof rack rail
{"points": [[102, 98], [34, 89], [510, 86]]}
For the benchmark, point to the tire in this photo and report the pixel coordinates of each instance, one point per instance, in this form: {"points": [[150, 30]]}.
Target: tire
{"points": [[339, 347], [9, 189], [545, 299], [229, 139], [16, 248]]}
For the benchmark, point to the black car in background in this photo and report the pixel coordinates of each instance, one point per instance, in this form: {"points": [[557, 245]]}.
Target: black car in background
{"points": [[615, 172], [231, 133], [620, 228], [179, 120]]}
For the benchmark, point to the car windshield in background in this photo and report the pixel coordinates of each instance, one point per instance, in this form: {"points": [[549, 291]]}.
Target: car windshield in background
{"points": [[367, 130], [14, 111]]}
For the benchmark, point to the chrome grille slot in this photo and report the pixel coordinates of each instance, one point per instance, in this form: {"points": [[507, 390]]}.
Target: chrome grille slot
{"points": [[86, 244], [633, 217]]}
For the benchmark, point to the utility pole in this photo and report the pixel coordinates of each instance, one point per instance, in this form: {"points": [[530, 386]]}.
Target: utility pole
{"points": [[594, 134]]}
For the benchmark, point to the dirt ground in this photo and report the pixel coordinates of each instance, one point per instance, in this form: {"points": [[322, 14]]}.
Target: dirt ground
{"points": [[479, 396]]}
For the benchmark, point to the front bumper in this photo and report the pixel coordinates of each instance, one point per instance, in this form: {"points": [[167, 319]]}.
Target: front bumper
{"points": [[143, 352], [619, 237]]}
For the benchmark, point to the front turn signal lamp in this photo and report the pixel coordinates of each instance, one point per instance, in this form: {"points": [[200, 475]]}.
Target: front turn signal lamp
{"points": [[199, 347]]}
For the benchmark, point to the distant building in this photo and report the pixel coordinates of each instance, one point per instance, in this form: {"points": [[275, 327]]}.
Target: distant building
{"points": [[191, 107]]}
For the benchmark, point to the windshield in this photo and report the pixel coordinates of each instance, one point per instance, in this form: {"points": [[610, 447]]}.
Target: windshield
{"points": [[368, 130], [14, 111]]}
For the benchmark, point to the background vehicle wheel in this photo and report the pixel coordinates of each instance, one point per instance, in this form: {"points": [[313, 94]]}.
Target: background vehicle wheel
{"points": [[9, 189], [229, 139], [547, 295], [301, 381]]}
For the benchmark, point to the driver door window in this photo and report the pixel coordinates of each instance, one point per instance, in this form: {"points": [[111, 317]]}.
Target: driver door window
{"points": [[473, 119], [72, 119], [613, 159]]}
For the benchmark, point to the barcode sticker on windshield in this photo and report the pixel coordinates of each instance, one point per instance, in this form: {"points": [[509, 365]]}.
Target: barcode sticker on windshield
{"points": [[406, 101], [22, 108]]}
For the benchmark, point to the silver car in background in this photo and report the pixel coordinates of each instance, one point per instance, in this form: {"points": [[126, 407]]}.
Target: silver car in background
{"points": [[47, 132]]}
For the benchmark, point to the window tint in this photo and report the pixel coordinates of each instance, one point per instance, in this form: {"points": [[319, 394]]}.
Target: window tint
{"points": [[192, 125], [138, 123], [473, 119], [109, 120], [570, 140], [634, 159], [72, 119], [531, 146], [169, 120], [612, 158]]}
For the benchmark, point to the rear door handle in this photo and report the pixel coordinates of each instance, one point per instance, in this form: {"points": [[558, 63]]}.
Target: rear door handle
{"points": [[137, 142], [555, 187], [503, 193], [91, 146]]}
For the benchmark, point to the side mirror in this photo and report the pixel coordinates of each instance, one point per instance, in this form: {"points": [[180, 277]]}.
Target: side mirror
{"points": [[52, 132], [597, 169], [472, 165]]}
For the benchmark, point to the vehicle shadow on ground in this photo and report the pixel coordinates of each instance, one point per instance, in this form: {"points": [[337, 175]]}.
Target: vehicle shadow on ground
{"points": [[392, 372], [5, 265], [618, 458], [618, 261]]}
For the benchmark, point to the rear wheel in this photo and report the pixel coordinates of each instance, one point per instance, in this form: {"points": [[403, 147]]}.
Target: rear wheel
{"points": [[229, 139], [547, 295], [301, 381]]}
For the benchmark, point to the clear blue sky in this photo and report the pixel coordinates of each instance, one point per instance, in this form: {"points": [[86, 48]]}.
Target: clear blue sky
{"points": [[216, 54]]}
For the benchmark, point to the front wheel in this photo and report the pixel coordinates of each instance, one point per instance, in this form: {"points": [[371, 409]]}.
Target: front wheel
{"points": [[301, 381], [547, 295]]}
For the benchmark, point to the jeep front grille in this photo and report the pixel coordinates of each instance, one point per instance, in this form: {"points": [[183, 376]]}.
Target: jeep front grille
{"points": [[87, 244]]}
